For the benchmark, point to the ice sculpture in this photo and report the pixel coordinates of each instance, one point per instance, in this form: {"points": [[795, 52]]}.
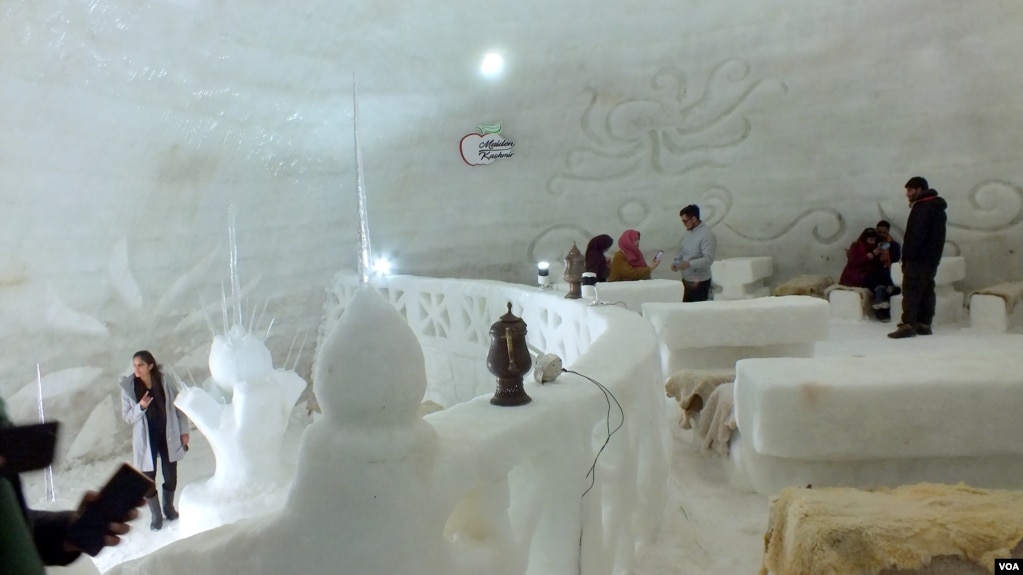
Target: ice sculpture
{"points": [[370, 495], [245, 434]]}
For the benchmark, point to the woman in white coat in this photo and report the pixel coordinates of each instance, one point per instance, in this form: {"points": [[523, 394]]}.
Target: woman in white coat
{"points": [[159, 430]]}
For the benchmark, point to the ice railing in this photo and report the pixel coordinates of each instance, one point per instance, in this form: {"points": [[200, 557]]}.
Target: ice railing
{"points": [[452, 320], [518, 474]]}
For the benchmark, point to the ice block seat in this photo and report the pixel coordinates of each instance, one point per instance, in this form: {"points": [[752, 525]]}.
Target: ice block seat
{"points": [[924, 529], [716, 334], [881, 420], [995, 308], [848, 302], [950, 302], [741, 278]]}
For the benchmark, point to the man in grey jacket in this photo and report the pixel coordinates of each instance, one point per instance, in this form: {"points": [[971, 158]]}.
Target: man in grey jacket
{"points": [[696, 255]]}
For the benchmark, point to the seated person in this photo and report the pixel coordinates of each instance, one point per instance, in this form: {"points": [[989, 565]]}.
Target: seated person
{"points": [[596, 258], [865, 269], [891, 250], [628, 263]]}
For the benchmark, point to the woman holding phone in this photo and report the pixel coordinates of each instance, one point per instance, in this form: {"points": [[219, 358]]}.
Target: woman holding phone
{"points": [[628, 263], [159, 430]]}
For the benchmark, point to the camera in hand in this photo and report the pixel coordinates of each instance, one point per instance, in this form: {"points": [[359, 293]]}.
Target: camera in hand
{"points": [[125, 491]]}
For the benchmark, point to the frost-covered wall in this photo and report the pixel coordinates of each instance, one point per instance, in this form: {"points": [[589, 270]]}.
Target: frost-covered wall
{"points": [[127, 128]]}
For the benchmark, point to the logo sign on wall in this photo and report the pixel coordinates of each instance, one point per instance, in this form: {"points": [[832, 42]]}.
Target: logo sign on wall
{"points": [[487, 145]]}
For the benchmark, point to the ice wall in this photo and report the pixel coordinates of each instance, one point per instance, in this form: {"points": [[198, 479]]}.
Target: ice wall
{"points": [[794, 124]]}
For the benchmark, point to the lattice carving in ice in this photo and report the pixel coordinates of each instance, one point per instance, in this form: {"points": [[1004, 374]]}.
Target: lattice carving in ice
{"points": [[396, 297], [435, 319], [474, 319]]}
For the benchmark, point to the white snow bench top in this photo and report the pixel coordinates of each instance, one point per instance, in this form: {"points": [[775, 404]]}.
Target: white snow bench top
{"points": [[634, 294], [882, 407], [752, 322], [741, 270]]}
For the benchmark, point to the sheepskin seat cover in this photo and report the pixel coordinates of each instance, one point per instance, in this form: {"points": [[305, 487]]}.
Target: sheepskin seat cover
{"points": [[844, 531]]}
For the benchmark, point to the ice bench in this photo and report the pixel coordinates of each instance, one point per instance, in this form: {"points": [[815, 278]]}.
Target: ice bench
{"points": [[995, 308], [848, 302], [949, 303], [881, 420], [716, 334], [741, 278]]}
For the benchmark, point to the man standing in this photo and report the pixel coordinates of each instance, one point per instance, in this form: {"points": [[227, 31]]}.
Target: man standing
{"points": [[921, 254], [696, 255]]}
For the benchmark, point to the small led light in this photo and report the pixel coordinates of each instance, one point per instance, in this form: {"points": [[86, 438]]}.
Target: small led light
{"points": [[543, 275]]}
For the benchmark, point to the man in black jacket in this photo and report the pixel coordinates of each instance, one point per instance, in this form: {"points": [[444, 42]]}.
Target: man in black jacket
{"points": [[921, 254]]}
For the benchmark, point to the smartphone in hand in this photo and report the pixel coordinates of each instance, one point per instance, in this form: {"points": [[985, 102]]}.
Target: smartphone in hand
{"points": [[28, 447], [659, 255], [125, 490]]}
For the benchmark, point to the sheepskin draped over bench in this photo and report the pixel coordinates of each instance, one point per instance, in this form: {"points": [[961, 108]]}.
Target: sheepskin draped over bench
{"points": [[692, 388], [845, 531], [804, 285], [716, 423], [1011, 292]]}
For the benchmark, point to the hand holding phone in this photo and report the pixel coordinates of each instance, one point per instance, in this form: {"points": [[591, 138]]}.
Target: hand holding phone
{"points": [[27, 447], [659, 255], [125, 491]]}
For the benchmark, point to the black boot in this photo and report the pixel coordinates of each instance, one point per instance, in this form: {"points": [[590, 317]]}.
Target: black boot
{"points": [[154, 511], [168, 505]]}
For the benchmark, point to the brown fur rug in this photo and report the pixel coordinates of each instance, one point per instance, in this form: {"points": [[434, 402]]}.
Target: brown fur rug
{"points": [[841, 531], [1011, 292]]}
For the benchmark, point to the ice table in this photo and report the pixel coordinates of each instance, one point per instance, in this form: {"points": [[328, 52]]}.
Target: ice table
{"points": [[741, 278], [866, 421]]}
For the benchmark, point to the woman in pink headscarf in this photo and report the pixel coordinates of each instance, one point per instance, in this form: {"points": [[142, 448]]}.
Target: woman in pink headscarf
{"points": [[628, 263]]}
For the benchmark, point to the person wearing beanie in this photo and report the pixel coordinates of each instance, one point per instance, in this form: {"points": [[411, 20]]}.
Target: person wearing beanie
{"points": [[921, 253]]}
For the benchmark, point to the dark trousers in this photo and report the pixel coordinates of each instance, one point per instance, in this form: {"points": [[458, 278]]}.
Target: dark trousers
{"points": [[696, 291], [918, 298], [170, 468]]}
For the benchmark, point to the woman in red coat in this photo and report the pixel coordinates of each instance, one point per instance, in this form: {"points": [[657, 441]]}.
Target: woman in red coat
{"points": [[866, 268]]}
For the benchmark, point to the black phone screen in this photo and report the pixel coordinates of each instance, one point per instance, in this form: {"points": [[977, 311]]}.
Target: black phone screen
{"points": [[28, 447], [121, 494]]}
